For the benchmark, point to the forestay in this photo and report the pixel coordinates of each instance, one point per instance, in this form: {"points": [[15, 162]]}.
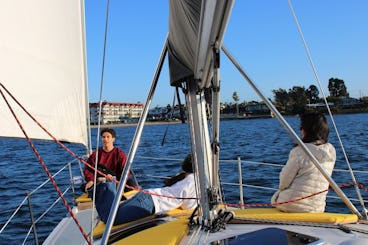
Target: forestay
{"points": [[42, 60]]}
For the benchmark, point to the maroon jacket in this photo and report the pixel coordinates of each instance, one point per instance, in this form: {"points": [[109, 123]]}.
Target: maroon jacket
{"points": [[114, 160]]}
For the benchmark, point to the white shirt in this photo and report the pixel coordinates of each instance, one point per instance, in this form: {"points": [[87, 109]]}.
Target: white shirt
{"points": [[184, 188]]}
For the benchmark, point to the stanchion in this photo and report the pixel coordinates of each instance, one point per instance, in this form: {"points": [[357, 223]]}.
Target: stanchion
{"points": [[32, 218], [240, 183]]}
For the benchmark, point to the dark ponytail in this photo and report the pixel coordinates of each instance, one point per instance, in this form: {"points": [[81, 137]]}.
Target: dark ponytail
{"points": [[187, 168]]}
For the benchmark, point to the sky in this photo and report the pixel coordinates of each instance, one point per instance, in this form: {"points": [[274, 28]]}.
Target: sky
{"points": [[261, 35]]}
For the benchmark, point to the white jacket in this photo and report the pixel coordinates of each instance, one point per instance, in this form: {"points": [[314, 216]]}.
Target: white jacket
{"points": [[300, 178], [184, 189]]}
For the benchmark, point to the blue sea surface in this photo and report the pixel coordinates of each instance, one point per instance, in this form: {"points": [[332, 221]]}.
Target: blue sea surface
{"points": [[160, 151]]}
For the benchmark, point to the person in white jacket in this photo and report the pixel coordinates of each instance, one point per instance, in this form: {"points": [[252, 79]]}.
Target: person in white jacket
{"points": [[299, 177], [179, 191]]}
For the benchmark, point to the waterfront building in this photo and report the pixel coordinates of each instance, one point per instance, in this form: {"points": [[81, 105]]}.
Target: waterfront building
{"points": [[115, 112]]}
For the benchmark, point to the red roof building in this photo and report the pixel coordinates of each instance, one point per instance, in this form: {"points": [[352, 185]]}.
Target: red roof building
{"points": [[114, 112]]}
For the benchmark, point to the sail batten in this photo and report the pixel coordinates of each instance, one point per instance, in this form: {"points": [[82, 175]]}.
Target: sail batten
{"points": [[42, 60]]}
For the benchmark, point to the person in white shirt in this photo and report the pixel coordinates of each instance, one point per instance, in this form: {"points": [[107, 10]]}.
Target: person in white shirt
{"points": [[178, 192]]}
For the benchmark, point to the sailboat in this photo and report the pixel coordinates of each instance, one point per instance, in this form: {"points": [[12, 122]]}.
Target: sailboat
{"points": [[193, 46]]}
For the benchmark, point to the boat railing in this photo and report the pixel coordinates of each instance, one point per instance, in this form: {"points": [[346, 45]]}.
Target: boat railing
{"points": [[73, 180], [244, 164]]}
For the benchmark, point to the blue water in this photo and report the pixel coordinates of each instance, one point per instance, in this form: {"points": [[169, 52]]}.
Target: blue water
{"points": [[258, 140]]}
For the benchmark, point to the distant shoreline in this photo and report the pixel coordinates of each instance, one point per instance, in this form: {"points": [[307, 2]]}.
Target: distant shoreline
{"points": [[223, 118], [118, 125], [232, 117]]}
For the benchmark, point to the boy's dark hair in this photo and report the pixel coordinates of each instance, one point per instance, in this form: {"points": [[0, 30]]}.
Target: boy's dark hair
{"points": [[108, 130], [315, 127]]}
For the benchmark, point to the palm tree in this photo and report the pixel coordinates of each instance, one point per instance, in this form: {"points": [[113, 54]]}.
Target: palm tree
{"points": [[236, 99]]}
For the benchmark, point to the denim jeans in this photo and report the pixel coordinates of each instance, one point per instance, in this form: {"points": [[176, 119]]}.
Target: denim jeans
{"points": [[139, 206]]}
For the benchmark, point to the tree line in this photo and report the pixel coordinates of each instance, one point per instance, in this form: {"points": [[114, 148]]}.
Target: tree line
{"points": [[295, 100], [299, 99]]}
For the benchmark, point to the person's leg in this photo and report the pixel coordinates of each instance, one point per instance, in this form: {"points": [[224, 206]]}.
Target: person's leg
{"points": [[105, 194], [139, 206]]}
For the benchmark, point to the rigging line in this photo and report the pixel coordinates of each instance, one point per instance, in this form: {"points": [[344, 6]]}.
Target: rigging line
{"points": [[294, 200], [294, 136], [42, 127], [45, 169], [161, 195], [171, 115], [328, 107], [47, 180], [275, 203], [51, 206], [45, 130], [204, 124], [134, 145], [13, 215], [180, 106], [100, 112]]}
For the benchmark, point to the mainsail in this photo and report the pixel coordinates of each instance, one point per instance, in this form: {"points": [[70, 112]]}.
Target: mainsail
{"points": [[42, 60], [195, 28]]}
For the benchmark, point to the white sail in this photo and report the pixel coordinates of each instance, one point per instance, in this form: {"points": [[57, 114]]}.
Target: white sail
{"points": [[42, 63]]}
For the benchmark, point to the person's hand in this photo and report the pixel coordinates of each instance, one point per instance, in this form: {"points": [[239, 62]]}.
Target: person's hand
{"points": [[101, 179], [109, 177], [89, 184]]}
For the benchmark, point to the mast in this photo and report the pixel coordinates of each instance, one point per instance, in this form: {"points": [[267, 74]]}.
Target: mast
{"points": [[196, 30], [201, 148]]}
